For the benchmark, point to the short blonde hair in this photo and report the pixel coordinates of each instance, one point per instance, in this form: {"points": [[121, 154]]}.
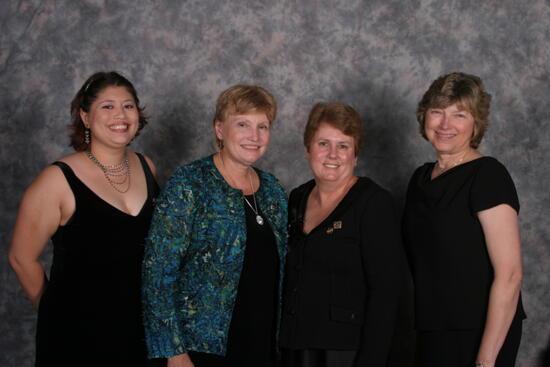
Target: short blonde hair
{"points": [[243, 99]]}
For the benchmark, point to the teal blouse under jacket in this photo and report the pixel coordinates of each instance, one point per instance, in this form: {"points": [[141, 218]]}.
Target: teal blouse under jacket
{"points": [[194, 255]]}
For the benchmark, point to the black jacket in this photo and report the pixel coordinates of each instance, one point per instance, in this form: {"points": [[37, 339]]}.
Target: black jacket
{"points": [[344, 279]]}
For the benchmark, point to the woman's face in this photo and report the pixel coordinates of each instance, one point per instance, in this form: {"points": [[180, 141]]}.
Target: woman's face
{"points": [[450, 129], [331, 154], [245, 137], [113, 118]]}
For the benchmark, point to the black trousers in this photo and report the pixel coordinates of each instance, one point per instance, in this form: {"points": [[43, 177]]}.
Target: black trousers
{"points": [[458, 348]]}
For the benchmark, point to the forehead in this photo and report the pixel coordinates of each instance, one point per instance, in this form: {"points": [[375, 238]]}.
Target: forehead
{"points": [[252, 116], [114, 92], [327, 131]]}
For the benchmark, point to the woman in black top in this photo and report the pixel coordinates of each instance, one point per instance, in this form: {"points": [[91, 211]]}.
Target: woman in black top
{"points": [[95, 205], [461, 233], [345, 262]]}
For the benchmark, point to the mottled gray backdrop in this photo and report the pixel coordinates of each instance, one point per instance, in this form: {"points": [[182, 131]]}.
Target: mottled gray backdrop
{"points": [[377, 55]]}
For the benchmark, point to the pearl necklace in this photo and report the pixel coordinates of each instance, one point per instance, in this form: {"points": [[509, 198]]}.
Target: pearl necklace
{"points": [[113, 172]]}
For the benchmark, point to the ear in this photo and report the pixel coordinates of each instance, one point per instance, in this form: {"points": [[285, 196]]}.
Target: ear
{"points": [[306, 153], [84, 118], [218, 125]]}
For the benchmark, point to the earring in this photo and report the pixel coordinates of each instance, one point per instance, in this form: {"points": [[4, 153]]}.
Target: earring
{"points": [[86, 135]]}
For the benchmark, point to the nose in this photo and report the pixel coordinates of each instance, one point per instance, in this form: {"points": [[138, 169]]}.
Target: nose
{"points": [[119, 111], [444, 122], [254, 134], [332, 153]]}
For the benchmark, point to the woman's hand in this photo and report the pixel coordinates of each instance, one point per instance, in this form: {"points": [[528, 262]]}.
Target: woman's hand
{"points": [[181, 360]]}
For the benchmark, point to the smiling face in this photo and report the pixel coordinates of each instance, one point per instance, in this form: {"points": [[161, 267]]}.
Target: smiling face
{"points": [[244, 137], [113, 118], [331, 155], [449, 129]]}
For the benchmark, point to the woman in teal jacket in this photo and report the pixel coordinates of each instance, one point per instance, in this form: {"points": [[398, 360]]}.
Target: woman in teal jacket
{"points": [[214, 256]]}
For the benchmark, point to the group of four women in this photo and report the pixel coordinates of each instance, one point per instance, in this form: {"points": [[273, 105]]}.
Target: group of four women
{"points": [[220, 270]]}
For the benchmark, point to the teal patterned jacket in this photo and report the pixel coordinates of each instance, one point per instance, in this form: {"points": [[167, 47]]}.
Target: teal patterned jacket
{"points": [[194, 255]]}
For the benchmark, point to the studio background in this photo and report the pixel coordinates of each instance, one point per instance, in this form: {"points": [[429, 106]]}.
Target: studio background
{"points": [[379, 56]]}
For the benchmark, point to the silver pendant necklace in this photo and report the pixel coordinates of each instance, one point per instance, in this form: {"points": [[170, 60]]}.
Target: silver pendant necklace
{"points": [[259, 218], [254, 208]]}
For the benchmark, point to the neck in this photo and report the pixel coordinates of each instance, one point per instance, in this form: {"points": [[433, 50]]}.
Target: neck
{"points": [[108, 156], [236, 175], [329, 191], [449, 160]]}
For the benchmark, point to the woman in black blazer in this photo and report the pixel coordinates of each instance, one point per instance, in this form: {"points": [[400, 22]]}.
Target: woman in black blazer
{"points": [[345, 264]]}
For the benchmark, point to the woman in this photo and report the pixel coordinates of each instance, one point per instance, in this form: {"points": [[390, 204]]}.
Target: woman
{"points": [[461, 230], [345, 262], [214, 256], [95, 205]]}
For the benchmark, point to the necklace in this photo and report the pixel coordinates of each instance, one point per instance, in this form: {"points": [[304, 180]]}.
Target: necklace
{"points": [[254, 208], [259, 218], [441, 169], [117, 175]]}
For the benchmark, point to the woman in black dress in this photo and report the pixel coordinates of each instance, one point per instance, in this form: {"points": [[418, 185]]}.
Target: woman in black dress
{"points": [[95, 205], [345, 265], [461, 233]]}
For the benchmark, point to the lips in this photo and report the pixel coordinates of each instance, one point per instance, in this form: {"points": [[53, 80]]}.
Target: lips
{"points": [[328, 165], [444, 136], [119, 127], [253, 147]]}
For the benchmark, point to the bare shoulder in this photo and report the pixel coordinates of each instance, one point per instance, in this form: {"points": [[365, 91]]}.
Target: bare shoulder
{"points": [[151, 165], [49, 186]]}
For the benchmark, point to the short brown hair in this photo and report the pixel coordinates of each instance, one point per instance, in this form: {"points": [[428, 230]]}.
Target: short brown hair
{"points": [[467, 91], [88, 94], [337, 115], [243, 99]]}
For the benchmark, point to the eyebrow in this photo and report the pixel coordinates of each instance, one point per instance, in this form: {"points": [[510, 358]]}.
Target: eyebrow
{"points": [[112, 100]]}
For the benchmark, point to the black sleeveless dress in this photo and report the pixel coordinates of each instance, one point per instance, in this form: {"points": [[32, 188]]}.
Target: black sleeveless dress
{"points": [[90, 312]]}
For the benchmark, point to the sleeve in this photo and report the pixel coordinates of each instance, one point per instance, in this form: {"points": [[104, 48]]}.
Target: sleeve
{"points": [[167, 241], [385, 268], [492, 186]]}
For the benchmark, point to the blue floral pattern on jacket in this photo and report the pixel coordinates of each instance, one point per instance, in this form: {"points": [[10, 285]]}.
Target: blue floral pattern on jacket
{"points": [[194, 256]]}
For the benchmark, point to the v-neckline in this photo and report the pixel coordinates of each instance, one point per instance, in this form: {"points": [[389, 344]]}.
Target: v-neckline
{"points": [[450, 170], [108, 203], [340, 206]]}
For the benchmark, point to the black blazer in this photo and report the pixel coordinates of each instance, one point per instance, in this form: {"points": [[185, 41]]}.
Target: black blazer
{"points": [[344, 279]]}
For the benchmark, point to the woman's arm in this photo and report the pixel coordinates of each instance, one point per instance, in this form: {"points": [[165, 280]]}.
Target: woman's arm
{"points": [[166, 245], [40, 213], [501, 230]]}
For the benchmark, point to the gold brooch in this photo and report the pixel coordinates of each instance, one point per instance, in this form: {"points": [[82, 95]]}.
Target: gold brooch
{"points": [[335, 225]]}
